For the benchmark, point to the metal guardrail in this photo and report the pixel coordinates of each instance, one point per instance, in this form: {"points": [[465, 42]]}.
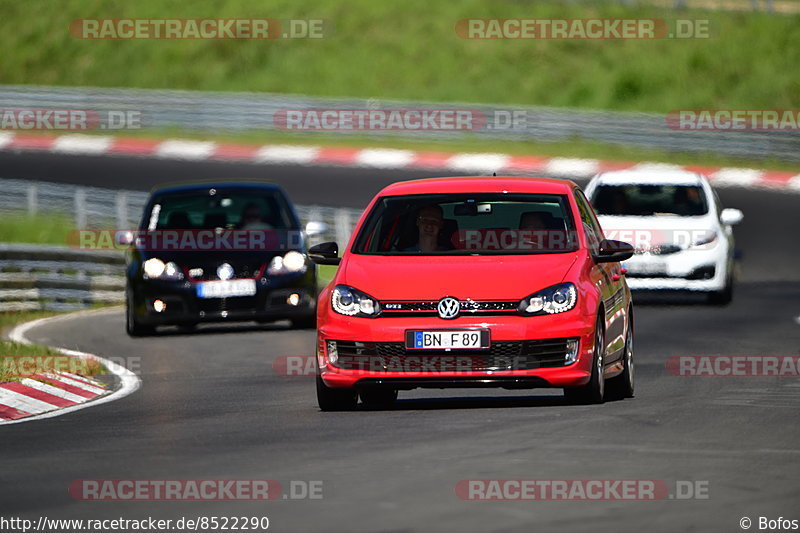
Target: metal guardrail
{"points": [[218, 111], [58, 278], [62, 278]]}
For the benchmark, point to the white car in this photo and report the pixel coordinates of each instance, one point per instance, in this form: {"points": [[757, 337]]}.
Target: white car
{"points": [[682, 236]]}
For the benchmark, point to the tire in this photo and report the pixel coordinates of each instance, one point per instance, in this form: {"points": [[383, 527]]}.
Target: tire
{"points": [[132, 326], [594, 391], [622, 386], [378, 397], [724, 296], [330, 399]]}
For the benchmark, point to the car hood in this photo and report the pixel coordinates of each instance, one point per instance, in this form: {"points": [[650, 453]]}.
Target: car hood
{"points": [[488, 277]]}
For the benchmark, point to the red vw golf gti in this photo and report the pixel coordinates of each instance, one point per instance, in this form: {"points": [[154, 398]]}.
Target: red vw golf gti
{"points": [[475, 282]]}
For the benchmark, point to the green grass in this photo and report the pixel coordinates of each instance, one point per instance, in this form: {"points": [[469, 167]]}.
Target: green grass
{"points": [[409, 49], [40, 229], [16, 357]]}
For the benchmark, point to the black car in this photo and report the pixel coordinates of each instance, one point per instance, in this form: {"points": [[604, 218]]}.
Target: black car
{"points": [[216, 253]]}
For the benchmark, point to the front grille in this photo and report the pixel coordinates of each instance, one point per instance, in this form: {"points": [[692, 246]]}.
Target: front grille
{"points": [[468, 307], [217, 305], [505, 355], [240, 271]]}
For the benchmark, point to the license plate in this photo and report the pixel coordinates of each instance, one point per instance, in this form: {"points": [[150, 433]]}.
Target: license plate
{"points": [[447, 339], [226, 289], [653, 268]]}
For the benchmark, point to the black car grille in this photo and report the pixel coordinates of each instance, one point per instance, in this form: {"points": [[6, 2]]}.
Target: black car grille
{"points": [[240, 271], [506, 355], [217, 305], [468, 307]]}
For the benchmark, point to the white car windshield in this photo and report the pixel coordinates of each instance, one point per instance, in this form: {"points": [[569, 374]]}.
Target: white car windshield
{"points": [[650, 200]]}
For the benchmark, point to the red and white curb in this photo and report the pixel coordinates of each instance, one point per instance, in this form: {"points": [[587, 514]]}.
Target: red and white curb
{"points": [[61, 392], [384, 158]]}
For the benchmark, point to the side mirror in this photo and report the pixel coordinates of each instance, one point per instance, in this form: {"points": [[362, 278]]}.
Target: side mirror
{"points": [[316, 227], [731, 217], [613, 251], [326, 253]]}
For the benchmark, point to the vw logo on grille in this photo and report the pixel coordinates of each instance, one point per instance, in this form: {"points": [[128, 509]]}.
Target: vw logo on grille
{"points": [[448, 308], [224, 271]]}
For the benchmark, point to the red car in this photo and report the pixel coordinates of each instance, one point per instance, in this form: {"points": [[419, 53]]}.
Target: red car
{"points": [[475, 282]]}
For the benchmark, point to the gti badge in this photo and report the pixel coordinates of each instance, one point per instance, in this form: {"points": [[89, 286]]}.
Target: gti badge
{"points": [[224, 271], [448, 308]]}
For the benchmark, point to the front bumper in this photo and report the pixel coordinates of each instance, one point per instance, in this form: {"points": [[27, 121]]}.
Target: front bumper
{"points": [[456, 368], [691, 269], [183, 306]]}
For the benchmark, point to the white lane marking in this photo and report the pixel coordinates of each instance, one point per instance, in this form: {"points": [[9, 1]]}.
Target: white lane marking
{"points": [[24, 403], [6, 138], [286, 153], [55, 391], [740, 177], [129, 382], [82, 144], [478, 162], [572, 167], [194, 150], [75, 383], [384, 158], [797, 320]]}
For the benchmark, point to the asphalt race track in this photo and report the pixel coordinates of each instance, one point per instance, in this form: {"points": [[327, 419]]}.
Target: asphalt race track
{"points": [[212, 406]]}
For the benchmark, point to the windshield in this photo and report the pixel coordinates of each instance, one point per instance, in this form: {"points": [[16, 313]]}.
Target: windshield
{"points": [[650, 200], [249, 209], [463, 224]]}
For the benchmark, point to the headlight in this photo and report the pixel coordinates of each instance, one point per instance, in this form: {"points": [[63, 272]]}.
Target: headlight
{"points": [[707, 238], [549, 301], [155, 268], [290, 262], [351, 302]]}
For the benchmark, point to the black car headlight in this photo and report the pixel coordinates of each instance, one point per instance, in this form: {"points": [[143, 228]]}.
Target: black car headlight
{"points": [[155, 268], [550, 301], [352, 302]]}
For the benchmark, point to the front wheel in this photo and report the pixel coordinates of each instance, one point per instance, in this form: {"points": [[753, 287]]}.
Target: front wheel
{"points": [[132, 326], [724, 296], [622, 385], [330, 399], [594, 391]]}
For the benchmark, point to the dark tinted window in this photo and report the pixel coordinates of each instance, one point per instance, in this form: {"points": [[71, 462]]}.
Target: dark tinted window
{"points": [[239, 209], [464, 224], [650, 200]]}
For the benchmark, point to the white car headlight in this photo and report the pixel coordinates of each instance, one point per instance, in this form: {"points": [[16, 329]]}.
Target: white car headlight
{"points": [[352, 302], [709, 237], [155, 268], [549, 301], [292, 261]]}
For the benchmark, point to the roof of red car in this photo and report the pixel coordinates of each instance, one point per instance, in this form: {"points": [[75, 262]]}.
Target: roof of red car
{"points": [[478, 184]]}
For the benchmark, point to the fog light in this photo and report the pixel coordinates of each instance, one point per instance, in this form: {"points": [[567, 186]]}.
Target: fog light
{"points": [[333, 355], [159, 306], [572, 352], [293, 299]]}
